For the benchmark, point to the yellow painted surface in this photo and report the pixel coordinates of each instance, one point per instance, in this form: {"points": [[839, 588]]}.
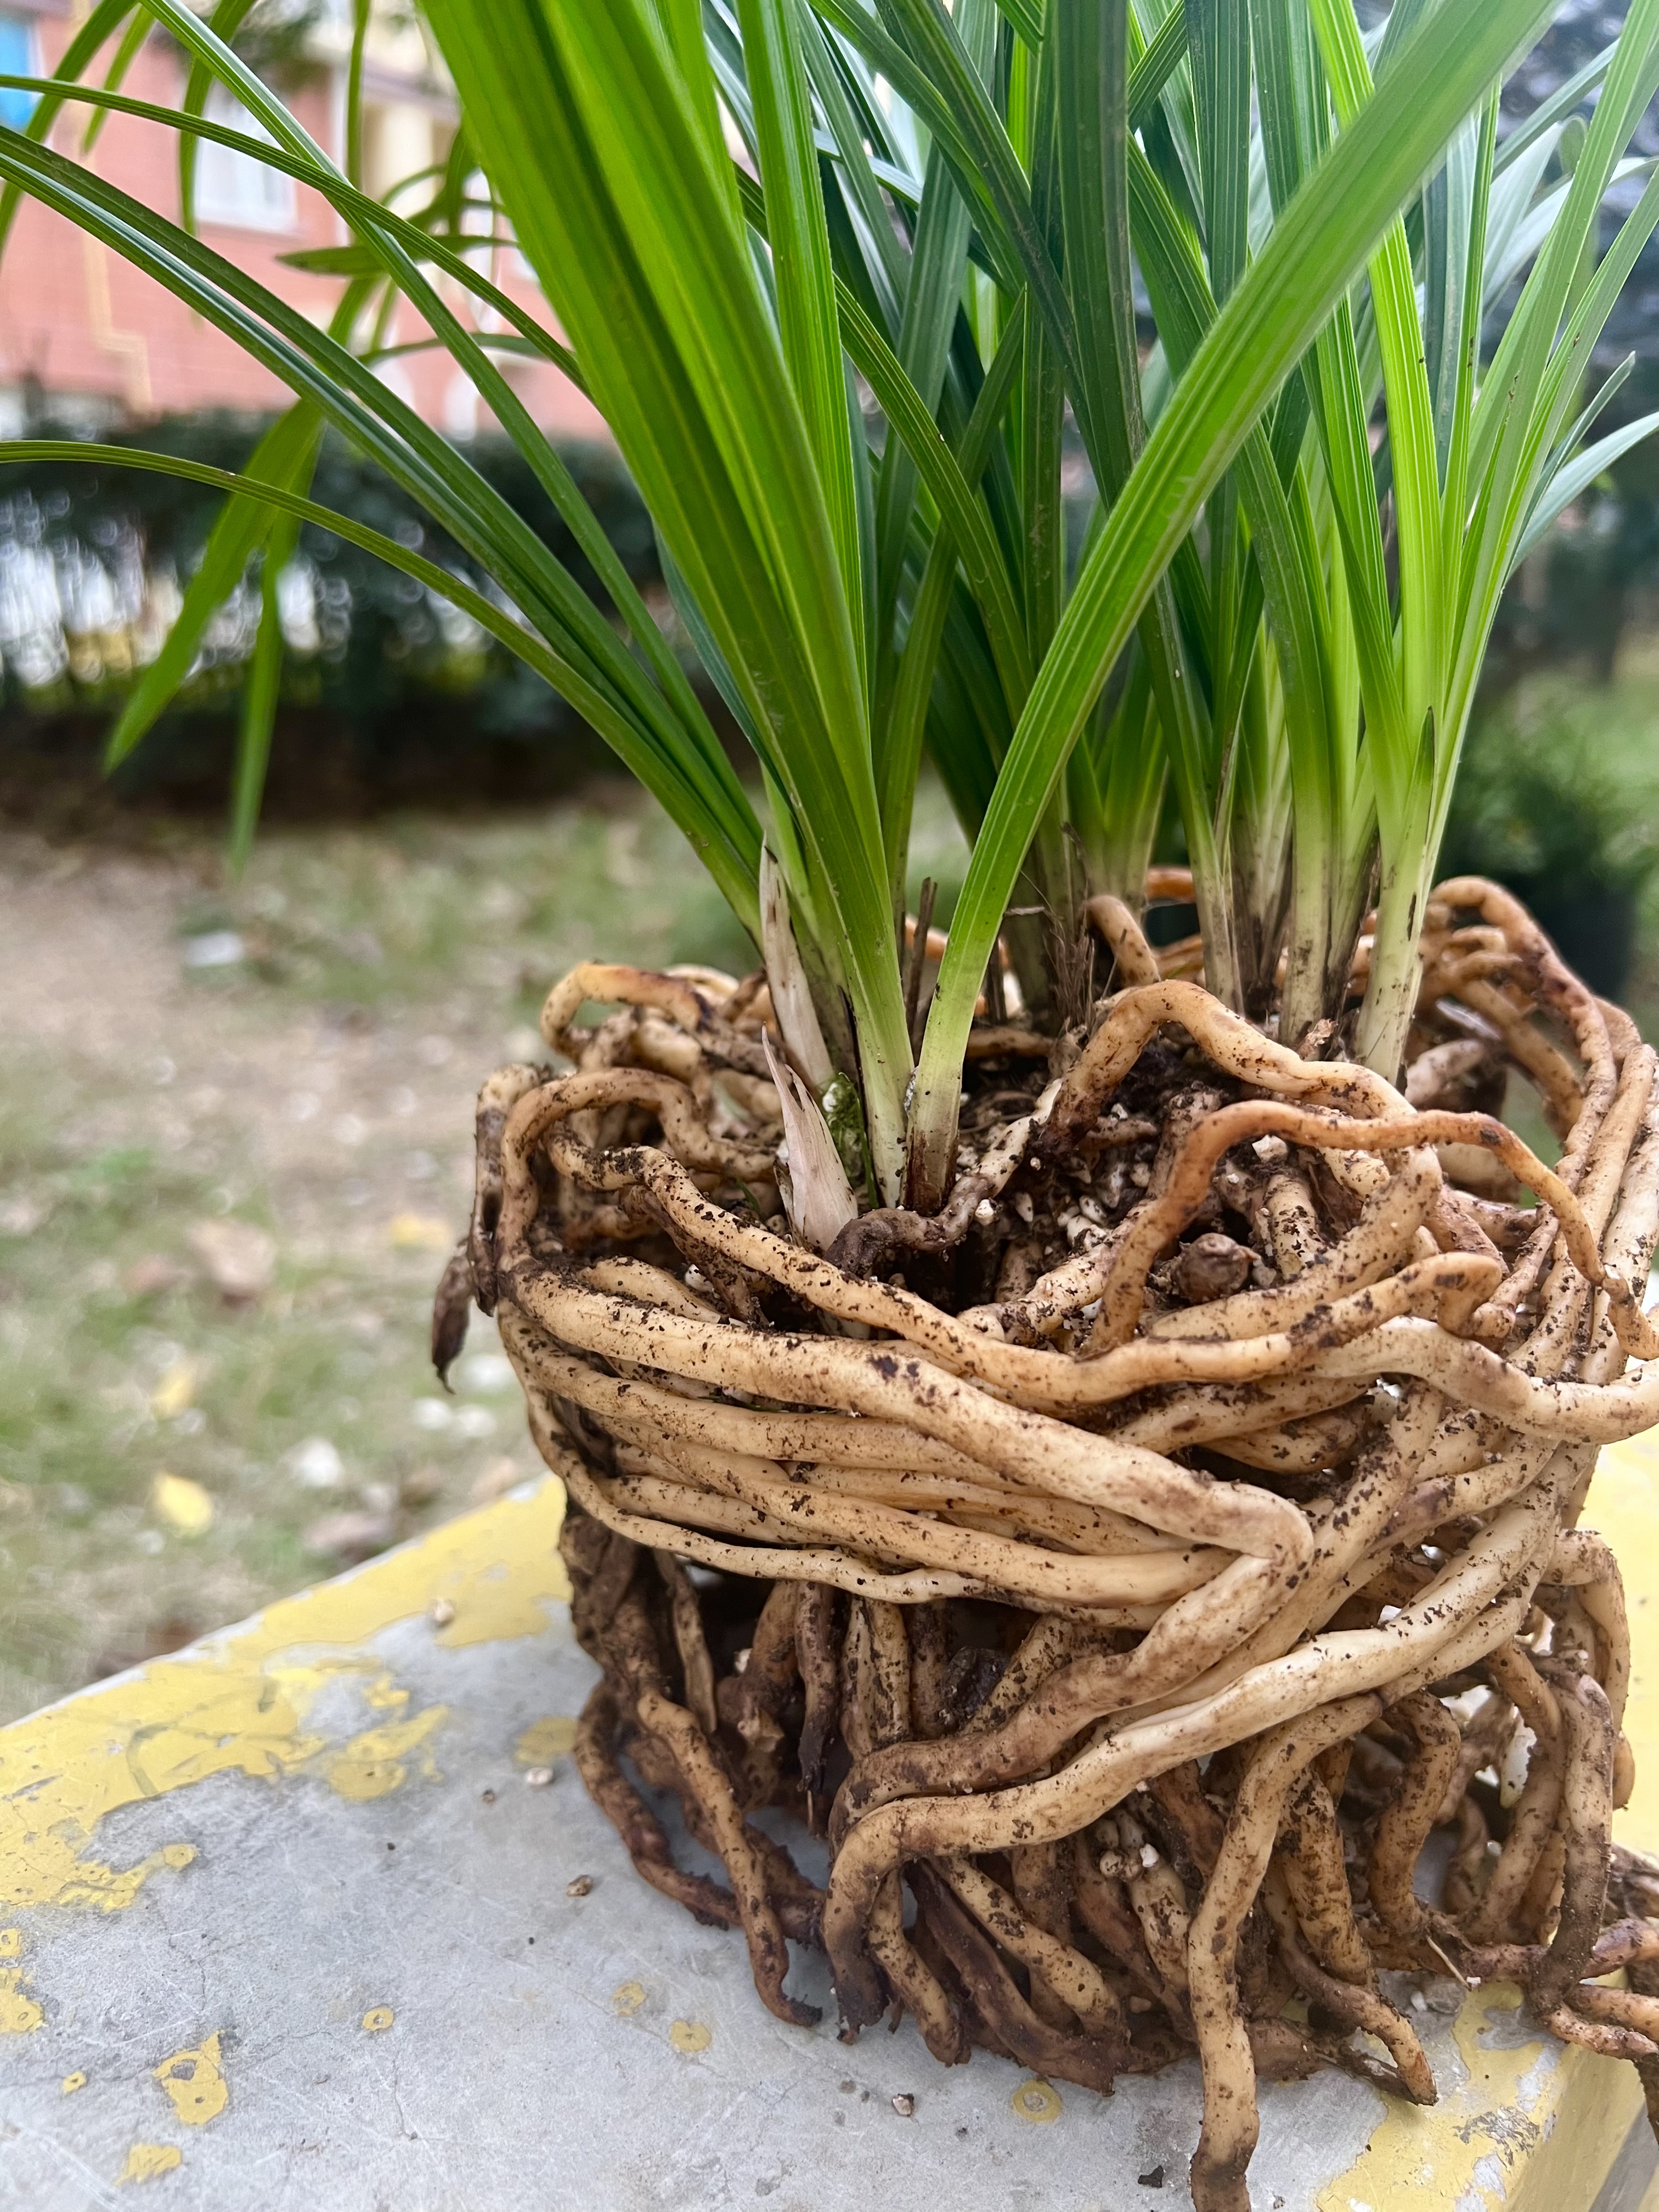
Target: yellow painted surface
{"points": [[149, 2161], [20, 2014], [194, 2082], [545, 1740], [1522, 2135], [1532, 2130], [1624, 1505], [1036, 2100], [375, 1762], [71, 2082], [242, 1702]]}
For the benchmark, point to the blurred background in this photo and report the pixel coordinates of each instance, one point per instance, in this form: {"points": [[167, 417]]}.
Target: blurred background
{"points": [[235, 1110]]}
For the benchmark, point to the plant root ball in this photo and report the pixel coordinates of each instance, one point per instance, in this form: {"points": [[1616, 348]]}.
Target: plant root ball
{"points": [[994, 1547]]}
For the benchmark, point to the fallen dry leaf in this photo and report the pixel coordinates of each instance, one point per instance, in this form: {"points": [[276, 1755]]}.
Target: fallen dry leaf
{"points": [[172, 1394], [421, 1232], [182, 1504]]}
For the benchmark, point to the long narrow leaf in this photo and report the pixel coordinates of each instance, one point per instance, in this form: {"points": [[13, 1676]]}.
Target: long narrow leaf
{"points": [[1333, 223]]}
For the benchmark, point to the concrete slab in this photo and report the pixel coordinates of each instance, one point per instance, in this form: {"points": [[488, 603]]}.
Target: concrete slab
{"points": [[282, 1927]]}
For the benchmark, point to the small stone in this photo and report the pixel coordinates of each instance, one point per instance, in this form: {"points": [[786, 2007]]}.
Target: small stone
{"points": [[1270, 1149], [1420, 2002], [21, 1217], [239, 1259], [348, 1536], [443, 1611], [538, 1777], [489, 1796], [214, 948], [905, 2106], [1149, 1856], [1211, 1267], [1152, 2178], [741, 1661], [582, 1885], [316, 1464]]}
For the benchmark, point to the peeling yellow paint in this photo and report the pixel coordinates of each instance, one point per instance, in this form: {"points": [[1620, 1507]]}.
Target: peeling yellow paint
{"points": [[1532, 2128], [149, 2161], [19, 2013], [1036, 2100], [378, 2019], [195, 2084], [689, 2036], [372, 1765], [241, 1702], [545, 1740], [629, 1998], [71, 2082]]}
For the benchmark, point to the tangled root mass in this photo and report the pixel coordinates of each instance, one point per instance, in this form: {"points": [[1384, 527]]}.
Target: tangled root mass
{"points": [[1141, 1561]]}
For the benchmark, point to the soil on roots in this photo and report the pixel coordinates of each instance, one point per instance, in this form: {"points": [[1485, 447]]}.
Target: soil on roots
{"points": [[1140, 1560]]}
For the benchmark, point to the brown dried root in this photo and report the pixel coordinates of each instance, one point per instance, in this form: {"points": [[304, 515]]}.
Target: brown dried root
{"points": [[1145, 1575]]}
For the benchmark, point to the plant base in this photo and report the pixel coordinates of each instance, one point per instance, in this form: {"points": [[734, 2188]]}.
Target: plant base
{"points": [[1142, 1559]]}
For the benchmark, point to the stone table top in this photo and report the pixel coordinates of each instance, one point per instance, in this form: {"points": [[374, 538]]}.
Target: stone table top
{"points": [[284, 1927]]}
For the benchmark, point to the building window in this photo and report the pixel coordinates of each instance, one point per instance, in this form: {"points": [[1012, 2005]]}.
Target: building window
{"points": [[232, 187], [18, 59]]}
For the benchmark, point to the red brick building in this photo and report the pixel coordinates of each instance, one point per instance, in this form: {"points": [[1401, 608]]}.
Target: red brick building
{"points": [[84, 332]]}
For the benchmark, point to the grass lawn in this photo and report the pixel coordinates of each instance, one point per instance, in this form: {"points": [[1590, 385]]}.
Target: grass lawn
{"points": [[271, 1084]]}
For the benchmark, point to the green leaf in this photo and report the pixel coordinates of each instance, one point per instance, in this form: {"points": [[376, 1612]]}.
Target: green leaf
{"points": [[593, 149], [1320, 239], [801, 269], [285, 456], [261, 689], [734, 864], [1577, 475]]}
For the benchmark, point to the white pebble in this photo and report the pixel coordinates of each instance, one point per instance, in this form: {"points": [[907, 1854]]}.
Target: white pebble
{"points": [[443, 1611], [538, 1777], [316, 1464]]}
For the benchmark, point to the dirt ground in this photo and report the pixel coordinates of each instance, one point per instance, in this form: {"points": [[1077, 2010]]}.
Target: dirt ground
{"points": [[234, 1149]]}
